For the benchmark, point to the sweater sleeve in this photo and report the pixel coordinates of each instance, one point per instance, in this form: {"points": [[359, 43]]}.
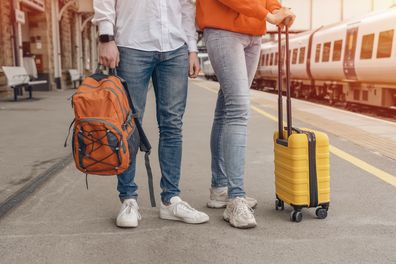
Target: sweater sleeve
{"points": [[273, 5], [250, 8]]}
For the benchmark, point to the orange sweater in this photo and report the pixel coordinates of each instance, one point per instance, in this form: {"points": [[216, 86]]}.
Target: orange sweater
{"points": [[241, 16]]}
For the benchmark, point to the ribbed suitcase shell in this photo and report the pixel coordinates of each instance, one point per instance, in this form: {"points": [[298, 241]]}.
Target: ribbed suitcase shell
{"points": [[292, 174]]}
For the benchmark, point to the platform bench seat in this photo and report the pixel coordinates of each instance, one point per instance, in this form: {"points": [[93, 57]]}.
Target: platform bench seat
{"points": [[18, 79]]}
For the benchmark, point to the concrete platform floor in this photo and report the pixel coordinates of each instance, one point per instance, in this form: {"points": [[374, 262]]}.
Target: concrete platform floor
{"points": [[32, 133], [65, 223]]}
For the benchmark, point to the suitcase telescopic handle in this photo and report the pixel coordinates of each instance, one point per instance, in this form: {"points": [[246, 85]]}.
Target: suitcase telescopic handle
{"points": [[280, 83]]}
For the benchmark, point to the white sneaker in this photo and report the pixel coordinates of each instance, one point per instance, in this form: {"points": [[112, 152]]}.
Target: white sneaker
{"points": [[129, 215], [179, 210], [239, 214], [219, 198]]}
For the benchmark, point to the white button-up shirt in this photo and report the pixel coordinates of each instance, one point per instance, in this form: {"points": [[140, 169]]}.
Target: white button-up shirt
{"points": [[149, 25]]}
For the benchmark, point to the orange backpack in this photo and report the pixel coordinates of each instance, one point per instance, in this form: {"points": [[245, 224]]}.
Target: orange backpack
{"points": [[107, 132]]}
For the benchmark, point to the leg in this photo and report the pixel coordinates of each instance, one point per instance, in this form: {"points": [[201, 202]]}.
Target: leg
{"points": [[234, 83], [170, 80], [136, 68], [219, 177]]}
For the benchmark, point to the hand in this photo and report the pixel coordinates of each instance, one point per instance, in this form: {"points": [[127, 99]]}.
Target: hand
{"points": [[282, 17], [109, 55], [194, 67]]}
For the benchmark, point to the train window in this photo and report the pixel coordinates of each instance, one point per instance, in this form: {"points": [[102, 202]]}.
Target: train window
{"points": [[356, 95], [262, 63], [272, 59], [385, 44], [326, 52], [295, 54], [317, 55], [365, 96], [337, 50], [367, 47], [276, 58], [302, 56]]}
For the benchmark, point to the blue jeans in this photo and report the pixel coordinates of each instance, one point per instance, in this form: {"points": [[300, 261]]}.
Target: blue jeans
{"points": [[169, 72], [234, 58]]}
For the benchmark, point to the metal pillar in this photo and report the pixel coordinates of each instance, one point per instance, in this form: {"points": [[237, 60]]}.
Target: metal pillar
{"points": [[56, 44], [79, 52], [82, 28], [56, 18], [18, 37], [94, 47]]}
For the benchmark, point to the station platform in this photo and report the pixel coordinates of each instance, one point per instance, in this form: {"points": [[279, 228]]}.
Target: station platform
{"points": [[62, 222]]}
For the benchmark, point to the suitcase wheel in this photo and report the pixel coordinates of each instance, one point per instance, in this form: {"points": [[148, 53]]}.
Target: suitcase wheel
{"points": [[321, 213], [296, 216], [279, 205]]}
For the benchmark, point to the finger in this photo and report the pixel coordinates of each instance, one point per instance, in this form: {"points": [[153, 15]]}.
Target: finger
{"points": [[191, 71], [105, 62], [118, 59], [294, 19], [112, 64], [195, 74], [198, 69]]}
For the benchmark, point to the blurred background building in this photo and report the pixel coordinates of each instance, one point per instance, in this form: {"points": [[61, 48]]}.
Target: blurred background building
{"points": [[57, 35]]}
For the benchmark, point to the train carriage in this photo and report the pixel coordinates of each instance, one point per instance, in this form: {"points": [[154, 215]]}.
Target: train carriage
{"points": [[352, 61]]}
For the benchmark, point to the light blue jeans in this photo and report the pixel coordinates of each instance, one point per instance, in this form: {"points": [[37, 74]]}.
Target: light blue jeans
{"points": [[234, 58], [169, 72]]}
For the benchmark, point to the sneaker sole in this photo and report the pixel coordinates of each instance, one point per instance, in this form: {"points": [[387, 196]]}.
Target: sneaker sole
{"points": [[219, 205], [126, 225], [187, 221], [216, 204], [248, 226]]}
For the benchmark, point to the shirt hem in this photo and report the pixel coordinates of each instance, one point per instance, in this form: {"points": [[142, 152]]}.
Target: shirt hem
{"points": [[148, 50]]}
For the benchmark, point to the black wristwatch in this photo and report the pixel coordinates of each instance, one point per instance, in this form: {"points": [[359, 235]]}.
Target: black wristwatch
{"points": [[106, 38]]}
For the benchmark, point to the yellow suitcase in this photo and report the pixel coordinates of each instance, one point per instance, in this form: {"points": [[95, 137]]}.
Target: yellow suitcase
{"points": [[302, 170]]}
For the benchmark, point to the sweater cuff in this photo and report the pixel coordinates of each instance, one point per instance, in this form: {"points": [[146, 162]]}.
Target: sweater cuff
{"points": [[106, 28]]}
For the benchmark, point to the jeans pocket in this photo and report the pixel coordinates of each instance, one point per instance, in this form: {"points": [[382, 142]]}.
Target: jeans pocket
{"points": [[212, 34]]}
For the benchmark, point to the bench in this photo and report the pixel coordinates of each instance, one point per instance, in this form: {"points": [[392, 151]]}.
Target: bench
{"points": [[18, 79], [75, 77]]}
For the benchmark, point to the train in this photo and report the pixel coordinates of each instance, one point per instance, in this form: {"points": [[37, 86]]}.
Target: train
{"points": [[352, 62]]}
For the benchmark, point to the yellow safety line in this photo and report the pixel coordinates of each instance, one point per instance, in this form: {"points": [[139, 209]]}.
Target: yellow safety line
{"points": [[267, 115], [380, 174], [386, 177]]}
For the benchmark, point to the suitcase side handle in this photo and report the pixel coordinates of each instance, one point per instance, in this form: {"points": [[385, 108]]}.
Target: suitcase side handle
{"points": [[280, 84]]}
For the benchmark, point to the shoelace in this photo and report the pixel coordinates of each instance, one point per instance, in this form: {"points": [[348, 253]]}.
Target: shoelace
{"points": [[186, 206], [242, 208], [132, 208]]}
